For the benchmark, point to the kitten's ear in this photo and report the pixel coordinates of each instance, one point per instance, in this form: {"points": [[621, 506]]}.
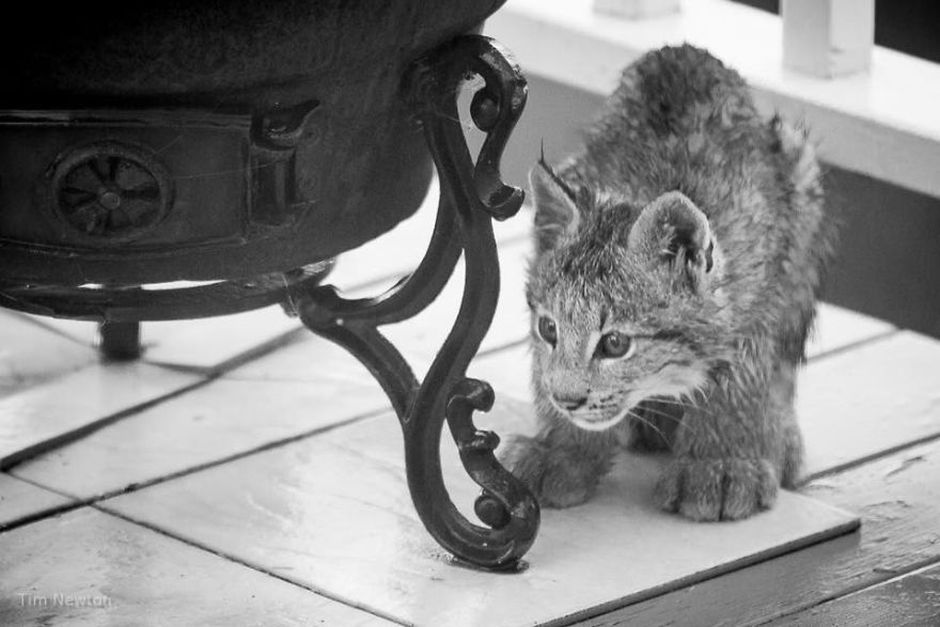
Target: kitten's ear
{"points": [[556, 213], [673, 230]]}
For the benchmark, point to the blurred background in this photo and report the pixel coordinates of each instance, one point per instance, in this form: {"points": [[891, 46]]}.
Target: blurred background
{"points": [[888, 264]]}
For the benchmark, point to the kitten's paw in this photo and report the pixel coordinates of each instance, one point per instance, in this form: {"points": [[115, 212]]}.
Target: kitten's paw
{"points": [[717, 489], [557, 477]]}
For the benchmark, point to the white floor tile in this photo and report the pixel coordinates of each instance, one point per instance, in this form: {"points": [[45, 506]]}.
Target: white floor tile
{"points": [[44, 414], [89, 568], [333, 512], [31, 353], [19, 500]]}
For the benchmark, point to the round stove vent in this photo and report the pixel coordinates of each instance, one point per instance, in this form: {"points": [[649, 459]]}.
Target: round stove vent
{"points": [[110, 192]]}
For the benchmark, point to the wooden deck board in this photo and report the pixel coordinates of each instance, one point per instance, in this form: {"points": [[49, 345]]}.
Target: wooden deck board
{"points": [[899, 503], [90, 568], [865, 402], [837, 328], [911, 599]]}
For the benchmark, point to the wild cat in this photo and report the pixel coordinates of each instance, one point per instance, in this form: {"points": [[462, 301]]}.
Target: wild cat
{"points": [[678, 259]]}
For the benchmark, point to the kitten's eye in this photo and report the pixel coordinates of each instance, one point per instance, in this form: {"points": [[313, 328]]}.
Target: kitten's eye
{"points": [[614, 345], [547, 330]]}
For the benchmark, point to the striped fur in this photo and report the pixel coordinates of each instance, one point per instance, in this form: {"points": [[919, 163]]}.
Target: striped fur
{"points": [[694, 226]]}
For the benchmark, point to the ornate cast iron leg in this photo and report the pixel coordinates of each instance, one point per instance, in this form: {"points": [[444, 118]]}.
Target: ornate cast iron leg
{"points": [[471, 194]]}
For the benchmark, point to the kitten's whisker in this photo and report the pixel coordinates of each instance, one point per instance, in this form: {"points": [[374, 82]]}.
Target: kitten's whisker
{"points": [[646, 422], [661, 413], [691, 400], [675, 403]]}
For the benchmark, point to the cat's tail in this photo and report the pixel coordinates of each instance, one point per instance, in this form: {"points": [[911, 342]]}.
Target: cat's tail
{"points": [[813, 231]]}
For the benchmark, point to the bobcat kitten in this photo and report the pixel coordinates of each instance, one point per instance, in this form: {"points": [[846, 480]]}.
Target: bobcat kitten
{"points": [[678, 259]]}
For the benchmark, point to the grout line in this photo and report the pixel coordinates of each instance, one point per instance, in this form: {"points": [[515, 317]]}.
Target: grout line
{"points": [[855, 463], [41, 515], [850, 590], [49, 512], [87, 429], [896, 574], [40, 322], [140, 485], [133, 487], [251, 354], [260, 569], [91, 501]]}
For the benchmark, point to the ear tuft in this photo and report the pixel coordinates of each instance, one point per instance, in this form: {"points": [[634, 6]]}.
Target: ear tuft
{"points": [[672, 229], [556, 213]]}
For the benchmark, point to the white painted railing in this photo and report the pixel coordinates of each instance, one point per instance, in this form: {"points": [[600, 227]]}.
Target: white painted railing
{"points": [[873, 110], [828, 38]]}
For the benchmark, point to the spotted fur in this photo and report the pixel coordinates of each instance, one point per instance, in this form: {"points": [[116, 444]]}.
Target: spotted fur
{"points": [[695, 228]]}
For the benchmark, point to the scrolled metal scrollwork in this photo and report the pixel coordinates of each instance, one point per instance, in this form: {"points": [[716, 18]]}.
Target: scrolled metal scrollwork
{"points": [[494, 109], [472, 193]]}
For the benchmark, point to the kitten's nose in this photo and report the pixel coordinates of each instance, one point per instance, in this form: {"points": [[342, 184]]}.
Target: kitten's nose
{"points": [[570, 403]]}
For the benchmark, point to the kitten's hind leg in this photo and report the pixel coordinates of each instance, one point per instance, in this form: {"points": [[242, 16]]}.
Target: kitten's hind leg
{"points": [[562, 464], [781, 404], [792, 453]]}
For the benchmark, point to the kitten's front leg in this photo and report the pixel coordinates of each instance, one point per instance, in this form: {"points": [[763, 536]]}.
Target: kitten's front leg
{"points": [[710, 489], [562, 464], [727, 459]]}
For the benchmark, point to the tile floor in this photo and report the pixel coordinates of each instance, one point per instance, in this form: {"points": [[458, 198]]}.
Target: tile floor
{"points": [[247, 472]]}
